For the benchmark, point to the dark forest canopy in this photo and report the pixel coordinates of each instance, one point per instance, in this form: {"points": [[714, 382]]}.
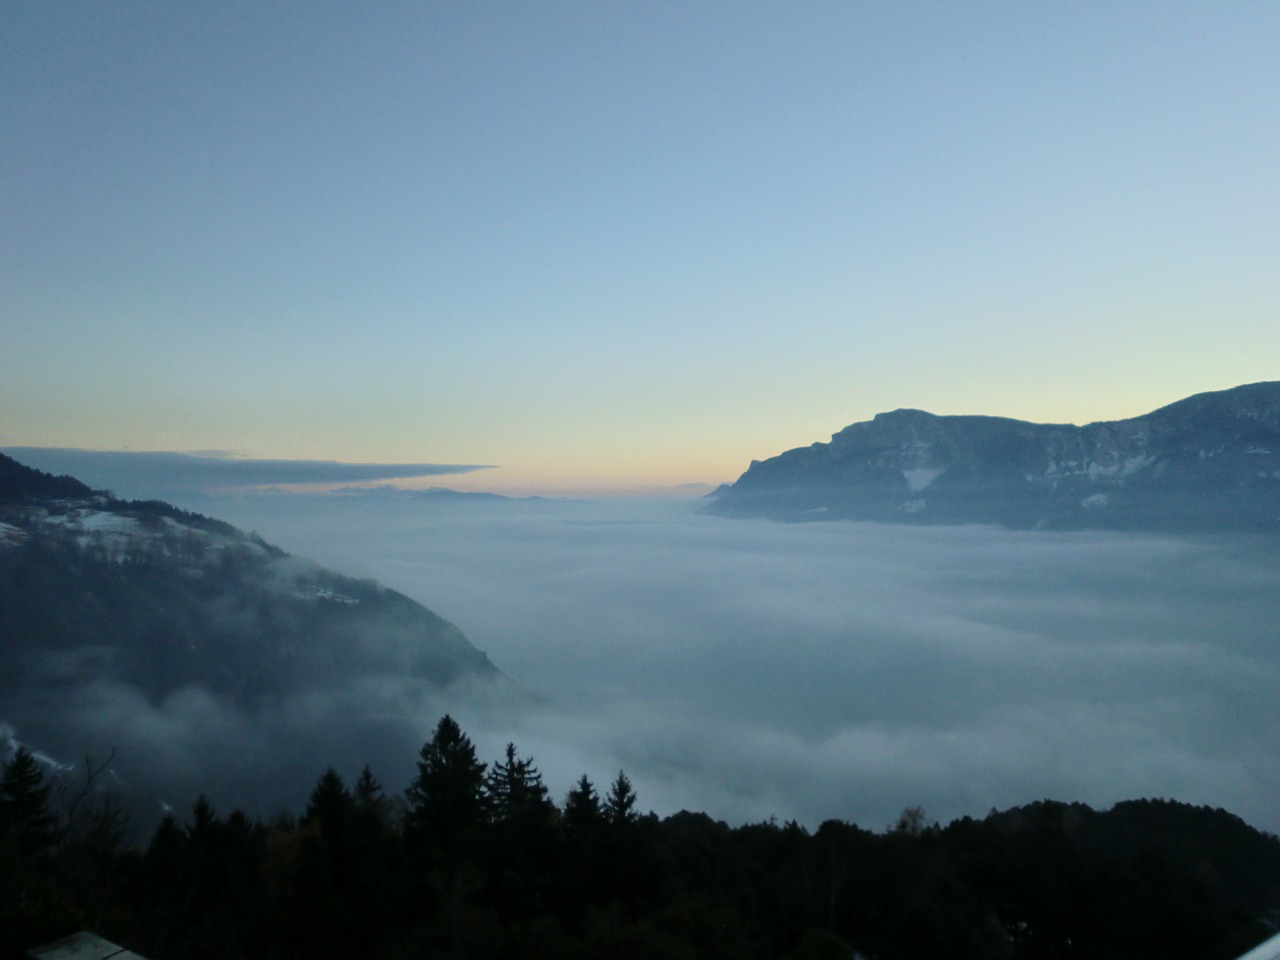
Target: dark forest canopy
{"points": [[477, 860], [19, 483]]}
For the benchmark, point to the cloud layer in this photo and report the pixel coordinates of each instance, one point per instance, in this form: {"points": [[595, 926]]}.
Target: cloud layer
{"points": [[163, 474], [840, 670], [747, 668]]}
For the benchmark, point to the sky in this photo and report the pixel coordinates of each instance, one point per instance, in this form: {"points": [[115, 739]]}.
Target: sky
{"points": [[617, 246]]}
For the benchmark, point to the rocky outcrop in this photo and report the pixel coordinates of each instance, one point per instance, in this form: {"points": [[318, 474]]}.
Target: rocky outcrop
{"points": [[1210, 462]]}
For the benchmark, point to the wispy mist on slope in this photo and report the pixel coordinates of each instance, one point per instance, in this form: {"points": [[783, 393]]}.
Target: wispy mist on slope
{"points": [[207, 658]]}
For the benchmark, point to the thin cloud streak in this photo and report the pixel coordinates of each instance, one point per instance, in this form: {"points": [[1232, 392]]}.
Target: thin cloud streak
{"points": [[155, 473]]}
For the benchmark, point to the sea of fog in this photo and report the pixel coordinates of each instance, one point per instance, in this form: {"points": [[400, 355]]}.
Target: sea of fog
{"points": [[752, 669]]}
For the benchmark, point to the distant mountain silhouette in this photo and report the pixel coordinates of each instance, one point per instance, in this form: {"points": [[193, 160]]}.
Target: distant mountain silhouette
{"points": [[1209, 463]]}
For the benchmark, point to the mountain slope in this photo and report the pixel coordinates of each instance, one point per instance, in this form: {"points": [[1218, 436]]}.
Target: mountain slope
{"points": [[1210, 462], [141, 626], [166, 598]]}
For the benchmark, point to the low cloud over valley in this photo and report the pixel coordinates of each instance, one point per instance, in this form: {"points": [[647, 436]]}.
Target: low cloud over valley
{"points": [[750, 668]]}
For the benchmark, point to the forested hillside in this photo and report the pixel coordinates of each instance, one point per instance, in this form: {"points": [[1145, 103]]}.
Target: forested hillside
{"points": [[477, 860], [200, 650]]}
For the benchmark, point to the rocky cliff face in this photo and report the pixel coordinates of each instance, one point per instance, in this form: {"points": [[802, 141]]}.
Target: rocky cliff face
{"points": [[1210, 462]]}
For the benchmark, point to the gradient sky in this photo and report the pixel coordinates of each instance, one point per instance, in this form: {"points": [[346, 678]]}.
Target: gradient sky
{"points": [[620, 245]]}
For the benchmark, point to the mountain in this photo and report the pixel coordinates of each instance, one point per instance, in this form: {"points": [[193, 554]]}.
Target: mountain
{"points": [[167, 598], [1209, 463], [145, 627]]}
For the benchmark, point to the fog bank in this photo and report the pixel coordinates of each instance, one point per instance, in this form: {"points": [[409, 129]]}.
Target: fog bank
{"points": [[844, 670]]}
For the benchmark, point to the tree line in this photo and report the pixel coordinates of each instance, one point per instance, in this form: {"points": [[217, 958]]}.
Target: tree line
{"points": [[477, 860]]}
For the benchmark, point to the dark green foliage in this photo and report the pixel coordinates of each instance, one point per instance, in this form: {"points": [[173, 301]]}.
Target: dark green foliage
{"points": [[192, 603], [26, 818], [818, 944], [582, 813], [368, 794], [485, 865], [619, 808], [19, 483], [523, 842], [515, 789], [448, 804], [151, 511], [28, 900], [331, 805], [61, 842]]}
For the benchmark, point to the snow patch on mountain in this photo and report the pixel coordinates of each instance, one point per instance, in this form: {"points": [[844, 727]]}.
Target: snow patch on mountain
{"points": [[313, 591], [132, 532], [921, 477], [1205, 462]]}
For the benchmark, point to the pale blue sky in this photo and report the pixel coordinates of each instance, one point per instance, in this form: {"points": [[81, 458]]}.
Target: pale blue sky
{"points": [[623, 244]]}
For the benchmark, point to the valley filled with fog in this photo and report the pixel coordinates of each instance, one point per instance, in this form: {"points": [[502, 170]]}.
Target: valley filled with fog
{"points": [[829, 670]]}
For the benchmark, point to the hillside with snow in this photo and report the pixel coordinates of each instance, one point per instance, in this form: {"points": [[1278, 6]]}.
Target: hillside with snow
{"points": [[144, 628], [1209, 463]]}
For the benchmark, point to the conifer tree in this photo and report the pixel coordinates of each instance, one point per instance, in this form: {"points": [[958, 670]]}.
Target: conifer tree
{"points": [[28, 830], [521, 842], [447, 800], [203, 817], [582, 811], [368, 791], [28, 824], [373, 808], [515, 788], [619, 808], [331, 804], [376, 867]]}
